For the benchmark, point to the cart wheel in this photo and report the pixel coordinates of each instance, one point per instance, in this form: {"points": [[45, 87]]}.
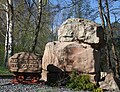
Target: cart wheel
{"points": [[34, 78], [20, 78]]}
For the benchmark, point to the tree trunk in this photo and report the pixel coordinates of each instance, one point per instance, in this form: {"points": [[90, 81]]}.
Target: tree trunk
{"points": [[105, 32], [34, 43], [111, 36], [6, 39], [9, 32], [101, 13]]}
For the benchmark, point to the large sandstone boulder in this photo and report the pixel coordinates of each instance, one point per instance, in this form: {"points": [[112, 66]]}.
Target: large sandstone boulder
{"points": [[67, 56], [82, 30]]}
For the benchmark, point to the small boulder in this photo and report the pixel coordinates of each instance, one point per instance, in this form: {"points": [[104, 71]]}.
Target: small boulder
{"points": [[24, 62], [109, 83]]}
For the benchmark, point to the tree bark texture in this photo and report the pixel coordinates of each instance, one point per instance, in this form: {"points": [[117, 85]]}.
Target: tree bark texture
{"points": [[111, 36], [9, 31], [34, 43], [105, 18]]}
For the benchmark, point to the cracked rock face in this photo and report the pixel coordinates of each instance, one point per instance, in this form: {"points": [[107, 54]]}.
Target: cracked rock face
{"points": [[80, 29], [71, 55], [66, 56]]}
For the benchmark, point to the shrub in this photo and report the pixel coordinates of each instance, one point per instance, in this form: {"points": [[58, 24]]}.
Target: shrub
{"points": [[81, 82]]}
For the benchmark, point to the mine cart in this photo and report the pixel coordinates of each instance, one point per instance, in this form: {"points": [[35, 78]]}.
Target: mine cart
{"points": [[25, 66]]}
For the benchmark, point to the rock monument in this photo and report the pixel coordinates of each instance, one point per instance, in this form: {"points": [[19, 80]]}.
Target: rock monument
{"points": [[78, 48]]}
